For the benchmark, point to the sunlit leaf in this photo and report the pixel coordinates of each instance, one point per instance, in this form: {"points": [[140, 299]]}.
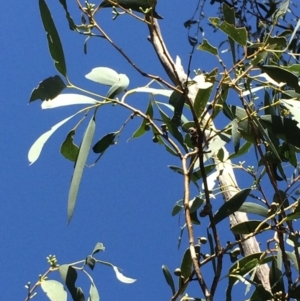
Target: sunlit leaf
{"points": [[103, 75], [98, 247], [48, 89], [231, 205], [121, 277], [54, 290], [68, 149], [154, 91], [54, 43], [68, 100], [169, 278], [79, 166], [68, 275], [37, 146], [93, 294]]}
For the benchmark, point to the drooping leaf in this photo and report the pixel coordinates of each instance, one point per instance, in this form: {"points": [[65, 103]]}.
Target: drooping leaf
{"points": [[186, 268], [93, 294], [177, 100], [54, 290], [121, 277], [231, 205], [90, 261], [104, 143], [68, 16], [205, 46], [48, 89], [118, 87], [172, 128], [68, 149], [69, 277], [98, 247], [253, 208], [285, 128], [236, 136], [242, 151], [68, 99], [260, 294], [201, 100], [177, 207], [249, 227], [276, 278], [36, 148], [212, 250], [169, 278], [79, 166], [144, 125], [54, 43], [195, 204]]}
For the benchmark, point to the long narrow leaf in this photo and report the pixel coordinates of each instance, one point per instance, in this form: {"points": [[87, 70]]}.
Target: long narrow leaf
{"points": [[36, 148], [79, 166], [54, 44]]}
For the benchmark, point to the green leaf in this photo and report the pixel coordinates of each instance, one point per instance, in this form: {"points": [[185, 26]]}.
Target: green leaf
{"points": [[253, 208], [261, 294], [242, 151], [104, 143], [169, 278], [281, 75], [54, 290], [285, 128], [68, 149], [47, 89], [239, 35], [98, 247], [205, 46], [90, 261], [36, 148], [236, 136], [177, 207], [195, 204], [79, 166], [186, 268], [54, 43], [68, 16], [212, 250], [118, 87], [231, 205], [276, 278], [201, 100], [93, 295], [144, 125], [177, 100], [249, 227]]}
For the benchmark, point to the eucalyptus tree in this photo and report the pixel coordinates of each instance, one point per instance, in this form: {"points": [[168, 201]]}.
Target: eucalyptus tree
{"points": [[254, 86]]}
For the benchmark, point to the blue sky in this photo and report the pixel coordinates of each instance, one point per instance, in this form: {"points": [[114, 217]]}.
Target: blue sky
{"points": [[125, 201]]}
